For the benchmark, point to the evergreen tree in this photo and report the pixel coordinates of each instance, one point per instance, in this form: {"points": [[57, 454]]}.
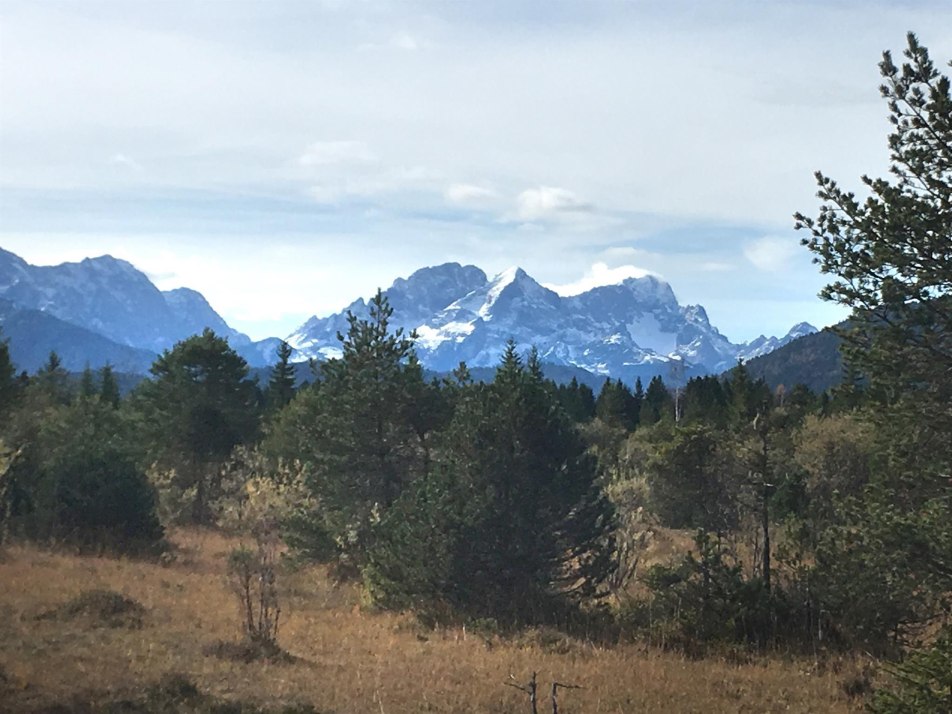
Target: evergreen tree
{"points": [[197, 407], [108, 387], [890, 255], [75, 479], [657, 403], [704, 402], [281, 387], [362, 433], [578, 400], [8, 383], [87, 383], [54, 380], [513, 524], [692, 477], [616, 405]]}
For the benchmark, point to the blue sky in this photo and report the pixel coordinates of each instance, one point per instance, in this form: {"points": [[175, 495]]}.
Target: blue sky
{"points": [[286, 157]]}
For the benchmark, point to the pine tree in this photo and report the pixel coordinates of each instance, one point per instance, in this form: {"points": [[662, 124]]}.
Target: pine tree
{"points": [[890, 255], [108, 387], [53, 379], [87, 383], [512, 524], [197, 407], [362, 433], [657, 403], [616, 406], [8, 383], [281, 387]]}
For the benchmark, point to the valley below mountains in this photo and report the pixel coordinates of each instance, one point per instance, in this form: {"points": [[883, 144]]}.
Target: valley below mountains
{"points": [[104, 310]]}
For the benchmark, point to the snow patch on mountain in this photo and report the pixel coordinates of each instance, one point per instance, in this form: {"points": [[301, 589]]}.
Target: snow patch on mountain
{"points": [[633, 327]]}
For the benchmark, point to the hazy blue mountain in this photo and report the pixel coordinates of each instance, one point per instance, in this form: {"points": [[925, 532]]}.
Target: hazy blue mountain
{"points": [[813, 359], [111, 298], [33, 334], [633, 329]]}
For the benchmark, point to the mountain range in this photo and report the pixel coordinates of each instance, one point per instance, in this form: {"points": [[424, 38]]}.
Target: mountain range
{"points": [[636, 328], [103, 310]]}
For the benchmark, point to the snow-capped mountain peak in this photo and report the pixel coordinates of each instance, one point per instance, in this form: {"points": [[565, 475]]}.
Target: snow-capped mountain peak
{"points": [[631, 328]]}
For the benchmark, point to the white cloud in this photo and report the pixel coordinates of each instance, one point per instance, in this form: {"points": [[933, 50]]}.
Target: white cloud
{"points": [[771, 254], [596, 276], [400, 41], [126, 162], [548, 203], [404, 41], [469, 194], [331, 153]]}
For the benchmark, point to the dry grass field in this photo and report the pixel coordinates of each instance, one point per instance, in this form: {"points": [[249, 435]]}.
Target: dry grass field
{"points": [[346, 659]]}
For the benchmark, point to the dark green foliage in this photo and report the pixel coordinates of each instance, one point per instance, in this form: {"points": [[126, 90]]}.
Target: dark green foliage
{"points": [[197, 407], [53, 379], [363, 434], [281, 387], [658, 403], [891, 258], [8, 384], [693, 480], [921, 683], [76, 481], [892, 253], [705, 401], [617, 406], [706, 599], [513, 524], [745, 396], [108, 387], [577, 400], [874, 576], [87, 383]]}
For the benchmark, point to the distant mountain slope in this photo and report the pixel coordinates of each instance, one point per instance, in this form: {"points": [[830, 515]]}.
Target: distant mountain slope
{"points": [[110, 297], [633, 329], [813, 360], [32, 334]]}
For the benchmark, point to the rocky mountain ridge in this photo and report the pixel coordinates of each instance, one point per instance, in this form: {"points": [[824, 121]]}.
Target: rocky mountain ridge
{"points": [[632, 329]]}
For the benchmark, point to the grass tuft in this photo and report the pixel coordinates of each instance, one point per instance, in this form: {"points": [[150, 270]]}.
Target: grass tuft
{"points": [[99, 608]]}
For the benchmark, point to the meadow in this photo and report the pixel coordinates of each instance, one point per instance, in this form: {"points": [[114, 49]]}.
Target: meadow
{"points": [[171, 647]]}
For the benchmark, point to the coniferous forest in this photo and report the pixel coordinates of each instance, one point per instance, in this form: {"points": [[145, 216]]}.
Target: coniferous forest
{"points": [[811, 524]]}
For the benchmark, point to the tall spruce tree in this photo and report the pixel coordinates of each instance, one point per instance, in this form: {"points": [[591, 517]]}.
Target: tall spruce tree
{"points": [[281, 387], [8, 384], [362, 433], [513, 524], [108, 386]]}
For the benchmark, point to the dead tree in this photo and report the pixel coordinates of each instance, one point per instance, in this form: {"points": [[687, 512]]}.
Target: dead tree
{"points": [[530, 688], [555, 694]]}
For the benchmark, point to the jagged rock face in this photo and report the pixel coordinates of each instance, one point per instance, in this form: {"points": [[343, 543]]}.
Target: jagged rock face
{"points": [[631, 329]]}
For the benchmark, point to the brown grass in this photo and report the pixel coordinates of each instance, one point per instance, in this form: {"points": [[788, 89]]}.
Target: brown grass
{"points": [[344, 658]]}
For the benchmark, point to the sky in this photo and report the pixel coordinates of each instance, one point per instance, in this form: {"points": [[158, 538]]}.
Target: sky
{"points": [[285, 158]]}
